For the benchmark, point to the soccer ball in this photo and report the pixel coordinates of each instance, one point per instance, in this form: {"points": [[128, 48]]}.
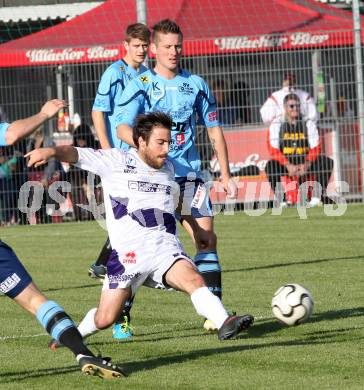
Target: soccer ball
{"points": [[292, 304]]}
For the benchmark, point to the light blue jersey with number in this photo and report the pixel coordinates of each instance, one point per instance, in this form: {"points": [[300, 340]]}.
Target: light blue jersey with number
{"points": [[3, 128], [112, 84], [186, 98]]}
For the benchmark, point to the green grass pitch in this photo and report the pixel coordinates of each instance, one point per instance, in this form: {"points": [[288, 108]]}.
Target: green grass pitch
{"points": [[170, 349]]}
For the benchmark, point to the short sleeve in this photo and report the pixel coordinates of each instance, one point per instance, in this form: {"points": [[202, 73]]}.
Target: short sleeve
{"points": [[206, 105], [110, 82], [132, 104]]}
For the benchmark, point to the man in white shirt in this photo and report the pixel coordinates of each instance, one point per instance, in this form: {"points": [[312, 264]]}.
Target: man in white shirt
{"points": [[273, 108], [139, 190]]}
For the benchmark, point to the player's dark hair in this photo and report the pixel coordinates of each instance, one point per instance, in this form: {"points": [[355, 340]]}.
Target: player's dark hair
{"points": [[137, 31], [145, 122], [165, 26], [291, 96]]}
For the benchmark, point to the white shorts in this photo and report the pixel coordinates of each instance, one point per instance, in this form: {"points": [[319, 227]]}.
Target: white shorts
{"points": [[144, 262]]}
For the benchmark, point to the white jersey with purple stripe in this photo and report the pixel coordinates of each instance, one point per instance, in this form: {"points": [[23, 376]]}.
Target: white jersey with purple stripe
{"points": [[3, 129], [186, 98], [139, 200], [112, 84]]}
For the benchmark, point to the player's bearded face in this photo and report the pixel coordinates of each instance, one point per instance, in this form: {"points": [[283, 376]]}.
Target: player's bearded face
{"points": [[155, 152], [137, 50], [168, 50]]}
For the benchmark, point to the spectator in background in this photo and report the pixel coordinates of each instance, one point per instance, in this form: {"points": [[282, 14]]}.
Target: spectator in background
{"points": [[45, 176], [8, 201], [295, 149], [2, 115], [80, 189], [226, 112], [273, 108], [241, 103]]}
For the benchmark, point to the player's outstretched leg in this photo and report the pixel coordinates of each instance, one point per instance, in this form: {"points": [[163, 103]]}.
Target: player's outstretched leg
{"points": [[98, 269], [99, 366], [233, 325], [210, 306], [122, 329], [183, 276], [61, 327], [209, 267]]}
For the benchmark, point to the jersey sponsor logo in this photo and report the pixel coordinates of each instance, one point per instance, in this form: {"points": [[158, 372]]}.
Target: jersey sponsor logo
{"points": [[9, 283], [130, 170], [144, 186], [212, 116], [199, 197], [180, 127], [293, 136], [129, 258], [293, 150], [175, 147], [144, 79], [185, 89], [123, 278], [157, 91]]}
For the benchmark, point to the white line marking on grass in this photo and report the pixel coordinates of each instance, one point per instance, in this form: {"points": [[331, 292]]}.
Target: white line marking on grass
{"points": [[22, 336], [140, 327]]}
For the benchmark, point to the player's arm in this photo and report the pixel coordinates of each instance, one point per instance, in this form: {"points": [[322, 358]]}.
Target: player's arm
{"points": [[98, 120], [206, 107], [41, 156], [106, 92], [23, 127], [132, 104], [125, 133], [218, 142]]}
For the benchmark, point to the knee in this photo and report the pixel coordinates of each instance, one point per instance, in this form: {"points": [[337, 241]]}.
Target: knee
{"points": [[211, 244], [103, 320], [196, 282]]}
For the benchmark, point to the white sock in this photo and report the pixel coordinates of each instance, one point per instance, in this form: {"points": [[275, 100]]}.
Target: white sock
{"points": [[209, 306], [87, 326]]}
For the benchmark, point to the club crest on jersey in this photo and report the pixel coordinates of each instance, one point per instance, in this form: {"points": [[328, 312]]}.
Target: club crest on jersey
{"points": [[185, 89], [158, 91], [122, 68], [144, 79], [180, 139], [130, 161]]}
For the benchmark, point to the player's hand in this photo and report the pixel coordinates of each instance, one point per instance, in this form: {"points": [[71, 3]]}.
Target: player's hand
{"points": [[230, 187], [51, 108], [39, 157]]}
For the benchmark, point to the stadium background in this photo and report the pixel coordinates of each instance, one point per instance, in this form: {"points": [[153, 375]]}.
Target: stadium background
{"points": [[241, 47]]}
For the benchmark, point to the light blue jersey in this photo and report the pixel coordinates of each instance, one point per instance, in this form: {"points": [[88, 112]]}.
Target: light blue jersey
{"points": [[112, 84], [186, 98], [3, 128]]}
